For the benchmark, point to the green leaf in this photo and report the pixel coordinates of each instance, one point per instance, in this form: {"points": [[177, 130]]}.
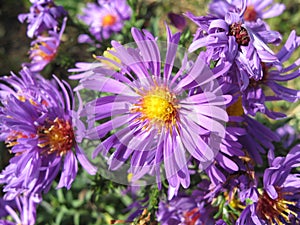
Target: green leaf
{"points": [[76, 218], [60, 196]]}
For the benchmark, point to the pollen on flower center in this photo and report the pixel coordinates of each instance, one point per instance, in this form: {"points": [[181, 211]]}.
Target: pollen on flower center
{"points": [[158, 106], [236, 109], [272, 210], [240, 33], [250, 13], [109, 20], [57, 136], [13, 137]]}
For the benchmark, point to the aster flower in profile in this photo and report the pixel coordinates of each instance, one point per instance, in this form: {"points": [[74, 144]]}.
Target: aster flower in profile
{"points": [[44, 49], [253, 13], [254, 96], [252, 10], [262, 10], [22, 209], [278, 202], [104, 18], [38, 126], [229, 39], [270, 87], [43, 16], [159, 117]]}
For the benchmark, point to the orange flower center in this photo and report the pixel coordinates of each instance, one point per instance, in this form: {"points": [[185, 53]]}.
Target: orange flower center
{"points": [[250, 13], [57, 136], [109, 20], [240, 33]]}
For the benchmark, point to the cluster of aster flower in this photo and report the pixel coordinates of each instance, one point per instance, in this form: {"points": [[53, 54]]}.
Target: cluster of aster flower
{"points": [[39, 127], [185, 118], [44, 26], [235, 32], [38, 123]]}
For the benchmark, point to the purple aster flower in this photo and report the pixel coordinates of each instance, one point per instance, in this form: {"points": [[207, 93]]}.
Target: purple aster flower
{"points": [[263, 10], [37, 124], [44, 49], [254, 97], [252, 9], [43, 16], [104, 19], [230, 40], [187, 209], [252, 13], [158, 117], [278, 202], [22, 209]]}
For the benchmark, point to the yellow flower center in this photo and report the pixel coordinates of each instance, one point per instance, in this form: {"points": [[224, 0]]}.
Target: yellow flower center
{"points": [[158, 107], [108, 20], [272, 210], [57, 136], [236, 109]]}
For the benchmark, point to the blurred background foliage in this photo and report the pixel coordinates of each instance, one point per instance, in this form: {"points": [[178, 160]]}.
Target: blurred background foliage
{"points": [[96, 200]]}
